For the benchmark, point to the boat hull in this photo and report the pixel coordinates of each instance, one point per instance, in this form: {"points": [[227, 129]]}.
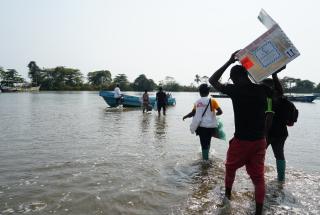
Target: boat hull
{"points": [[129, 101], [219, 96], [302, 98], [8, 89], [30, 89], [19, 89]]}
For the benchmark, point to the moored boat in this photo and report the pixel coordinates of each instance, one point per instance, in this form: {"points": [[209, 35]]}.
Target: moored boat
{"points": [[29, 89], [4, 89], [130, 101], [19, 87], [219, 95], [294, 98], [308, 98], [317, 94]]}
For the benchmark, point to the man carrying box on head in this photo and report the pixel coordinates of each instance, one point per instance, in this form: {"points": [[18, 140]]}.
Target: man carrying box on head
{"points": [[248, 146]]}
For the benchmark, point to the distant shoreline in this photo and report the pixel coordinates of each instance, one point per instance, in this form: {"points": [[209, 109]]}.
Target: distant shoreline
{"points": [[215, 93]]}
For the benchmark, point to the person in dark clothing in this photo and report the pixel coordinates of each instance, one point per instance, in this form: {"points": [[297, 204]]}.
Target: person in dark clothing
{"points": [[248, 146], [278, 131], [161, 99]]}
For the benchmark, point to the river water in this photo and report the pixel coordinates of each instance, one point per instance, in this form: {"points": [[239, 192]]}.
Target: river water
{"points": [[66, 153]]}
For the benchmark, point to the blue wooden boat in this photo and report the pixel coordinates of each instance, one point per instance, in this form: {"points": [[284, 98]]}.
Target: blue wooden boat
{"points": [[317, 95], [309, 98], [128, 100]]}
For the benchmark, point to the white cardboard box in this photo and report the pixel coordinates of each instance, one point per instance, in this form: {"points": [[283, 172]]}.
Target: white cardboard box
{"points": [[268, 53]]}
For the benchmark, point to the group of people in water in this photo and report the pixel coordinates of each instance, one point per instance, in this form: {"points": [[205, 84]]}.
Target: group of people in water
{"points": [[160, 104], [259, 119]]}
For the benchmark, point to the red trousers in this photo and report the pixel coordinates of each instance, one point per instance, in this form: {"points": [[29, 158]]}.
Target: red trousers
{"points": [[251, 154]]}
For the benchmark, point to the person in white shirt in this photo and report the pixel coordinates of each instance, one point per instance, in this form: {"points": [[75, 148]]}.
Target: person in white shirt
{"points": [[204, 122], [117, 95]]}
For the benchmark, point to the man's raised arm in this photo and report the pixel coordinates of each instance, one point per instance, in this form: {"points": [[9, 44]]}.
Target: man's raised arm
{"points": [[214, 79], [277, 84]]}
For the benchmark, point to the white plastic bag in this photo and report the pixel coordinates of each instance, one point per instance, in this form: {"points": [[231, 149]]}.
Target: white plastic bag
{"points": [[194, 124]]}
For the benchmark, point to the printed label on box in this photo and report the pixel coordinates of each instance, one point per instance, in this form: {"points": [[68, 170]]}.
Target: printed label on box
{"points": [[290, 52], [267, 54]]}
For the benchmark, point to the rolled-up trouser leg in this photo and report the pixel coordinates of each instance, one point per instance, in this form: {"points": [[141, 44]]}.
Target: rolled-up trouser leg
{"points": [[251, 154], [229, 177], [235, 159], [255, 168]]}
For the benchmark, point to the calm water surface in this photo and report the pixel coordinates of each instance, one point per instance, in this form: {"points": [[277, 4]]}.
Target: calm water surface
{"points": [[66, 153]]}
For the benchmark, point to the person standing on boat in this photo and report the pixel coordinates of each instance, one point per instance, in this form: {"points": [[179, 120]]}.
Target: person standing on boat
{"points": [[204, 119], [161, 99], [278, 132], [117, 95], [145, 101], [248, 146]]}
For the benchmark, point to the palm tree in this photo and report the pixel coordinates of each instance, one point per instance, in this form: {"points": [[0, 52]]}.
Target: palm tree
{"points": [[35, 73], [197, 79]]}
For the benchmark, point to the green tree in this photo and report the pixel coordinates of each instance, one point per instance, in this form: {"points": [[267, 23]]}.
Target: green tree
{"points": [[142, 83], [99, 78], [122, 80], [296, 85], [72, 77], [10, 77], [2, 72], [190, 88], [288, 83], [197, 79], [170, 84], [304, 86], [35, 73], [161, 83], [61, 78], [49, 77], [317, 89]]}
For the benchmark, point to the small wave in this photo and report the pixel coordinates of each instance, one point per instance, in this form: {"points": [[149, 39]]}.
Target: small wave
{"points": [[298, 195], [32, 207]]}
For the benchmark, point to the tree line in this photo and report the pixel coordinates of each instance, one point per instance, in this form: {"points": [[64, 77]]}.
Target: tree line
{"points": [[63, 78]]}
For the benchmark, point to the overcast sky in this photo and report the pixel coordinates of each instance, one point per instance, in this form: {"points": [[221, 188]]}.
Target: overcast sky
{"points": [[158, 38]]}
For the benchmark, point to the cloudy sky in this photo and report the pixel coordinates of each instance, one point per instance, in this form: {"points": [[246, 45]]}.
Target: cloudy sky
{"points": [[178, 38]]}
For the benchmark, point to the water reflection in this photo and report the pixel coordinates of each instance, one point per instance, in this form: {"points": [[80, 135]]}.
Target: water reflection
{"points": [[207, 195], [145, 122], [160, 130]]}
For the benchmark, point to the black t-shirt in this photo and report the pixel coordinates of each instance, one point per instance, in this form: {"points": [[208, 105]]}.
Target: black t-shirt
{"points": [[279, 126], [249, 105], [161, 97]]}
